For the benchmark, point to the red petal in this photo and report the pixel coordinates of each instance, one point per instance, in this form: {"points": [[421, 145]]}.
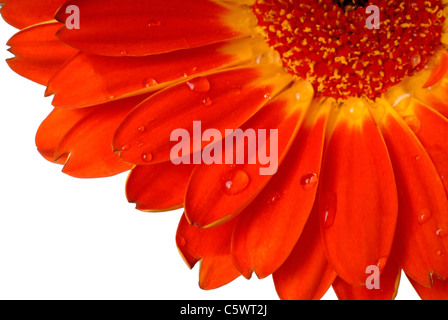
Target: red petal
{"points": [[141, 27], [268, 229], [214, 193], [158, 187], [86, 136], [216, 272], [38, 54], [357, 197], [438, 291], [388, 283], [54, 128], [223, 100], [213, 247], [24, 13], [431, 129], [113, 77], [419, 247], [306, 274]]}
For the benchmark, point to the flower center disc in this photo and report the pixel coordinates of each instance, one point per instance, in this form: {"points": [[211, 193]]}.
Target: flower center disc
{"points": [[330, 43]]}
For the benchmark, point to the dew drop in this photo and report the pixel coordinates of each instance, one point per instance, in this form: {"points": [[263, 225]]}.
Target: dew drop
{"points": [[354, 108], [140, 144], [309, 181], [141, 129], [416, 60], [274, 198], [125, 147], [381, 263], [413, 123], [441, 233], [329, 206], [439, 253], [149, 82], [424, 216], [418, 158], [124, 53], [268, 96], [182, 242], [207, 102], [154, 23], [147, 157], [199, 85], [237, 183]]}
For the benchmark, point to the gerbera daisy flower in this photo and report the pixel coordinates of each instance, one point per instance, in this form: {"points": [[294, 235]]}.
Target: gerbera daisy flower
{"points": [[361, 115]]}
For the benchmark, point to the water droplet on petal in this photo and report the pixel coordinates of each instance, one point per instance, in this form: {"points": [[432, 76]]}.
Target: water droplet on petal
{"points": [[309, 181], [149, 82], [207, 102], [354, 108], [439, 253], [237, 183], [199, 84], [413, 123], [140, 144], [147, 157], [381, 263], [154, 23], [268, 96], [182, 242], [124, 53], [125, 147], [441, 233], [416, 60], [418, 158], [274, 198], [141, 129], [329, 206], [424, 215]]}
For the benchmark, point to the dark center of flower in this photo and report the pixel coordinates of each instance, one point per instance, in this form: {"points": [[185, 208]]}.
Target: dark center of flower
{"points": [[350, 5], [330, 43]]}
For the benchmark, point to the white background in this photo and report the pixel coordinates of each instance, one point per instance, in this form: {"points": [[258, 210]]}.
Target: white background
{"points": [[66, 238]]}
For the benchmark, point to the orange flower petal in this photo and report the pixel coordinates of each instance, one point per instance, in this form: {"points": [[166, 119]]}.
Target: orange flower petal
{"points": [[388, 286], [435, 96], [84, 136], [210, 199], [212, 245], [306, 274], [158, 187], [357, 195], [418, 247], [38, 54], [438, 71], [24, 13], [438, 291], [431, 129], [54, 128], [113, 77], [259, 242], [141, 27], [223, 100], [216, 272]]}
